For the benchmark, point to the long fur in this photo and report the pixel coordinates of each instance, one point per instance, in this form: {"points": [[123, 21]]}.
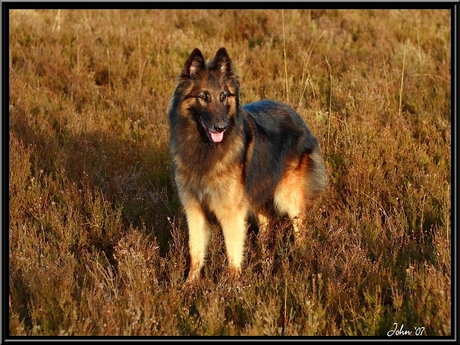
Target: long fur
{"points": [[232, 161]]}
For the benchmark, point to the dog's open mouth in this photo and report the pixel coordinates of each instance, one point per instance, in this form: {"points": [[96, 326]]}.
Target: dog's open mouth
{"points": [[214, 136]]}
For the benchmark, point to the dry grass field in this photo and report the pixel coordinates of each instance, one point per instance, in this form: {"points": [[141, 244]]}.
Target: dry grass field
{"points": [[98, 239]]}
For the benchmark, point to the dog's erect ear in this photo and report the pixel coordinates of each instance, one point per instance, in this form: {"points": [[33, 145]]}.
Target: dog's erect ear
{"points": [[222, 61], [194, 64]]}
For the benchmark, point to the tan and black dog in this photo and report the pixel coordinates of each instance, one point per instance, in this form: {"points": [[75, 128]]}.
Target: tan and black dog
{"points": [[233, 161]]}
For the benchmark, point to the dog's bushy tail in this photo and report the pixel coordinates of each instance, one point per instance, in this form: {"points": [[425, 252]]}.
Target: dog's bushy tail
{"points": [[317, 178]]}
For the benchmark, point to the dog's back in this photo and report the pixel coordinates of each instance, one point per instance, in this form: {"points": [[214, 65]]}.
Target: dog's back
{"points": [[278, 138]]}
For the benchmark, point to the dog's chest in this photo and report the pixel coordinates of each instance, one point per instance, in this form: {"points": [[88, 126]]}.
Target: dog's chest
{"points": [[218, 185]]}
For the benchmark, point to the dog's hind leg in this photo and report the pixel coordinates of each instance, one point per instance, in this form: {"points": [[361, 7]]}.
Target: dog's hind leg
{"points": [[199, 233], [291, 194], [298, 223], [263, 222]]}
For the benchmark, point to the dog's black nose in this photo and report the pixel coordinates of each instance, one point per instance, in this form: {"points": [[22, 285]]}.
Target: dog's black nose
{"points": [[220, 127]]}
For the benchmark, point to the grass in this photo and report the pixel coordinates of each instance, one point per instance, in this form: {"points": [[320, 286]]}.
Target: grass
{"points": [[97, 237]]}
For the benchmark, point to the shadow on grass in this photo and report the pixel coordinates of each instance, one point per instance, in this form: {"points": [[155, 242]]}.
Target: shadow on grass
{"points": [[133, 176]]}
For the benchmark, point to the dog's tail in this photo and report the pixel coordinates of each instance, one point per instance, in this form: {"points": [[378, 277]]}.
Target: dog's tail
{"points": [[317, 177]]}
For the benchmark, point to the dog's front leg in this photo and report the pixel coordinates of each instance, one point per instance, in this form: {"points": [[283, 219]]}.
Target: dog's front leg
{"points": [[199, 232], [234, 228]]}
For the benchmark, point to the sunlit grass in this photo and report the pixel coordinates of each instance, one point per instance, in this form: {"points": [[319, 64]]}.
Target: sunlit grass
{"points": [[98, 241]]}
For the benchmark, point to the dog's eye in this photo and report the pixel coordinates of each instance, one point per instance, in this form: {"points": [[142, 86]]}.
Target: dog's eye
{"points": [[204, 97], [223, 96]]}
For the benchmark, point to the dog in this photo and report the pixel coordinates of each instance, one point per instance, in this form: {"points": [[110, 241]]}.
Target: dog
{"points": [[232, 161]]}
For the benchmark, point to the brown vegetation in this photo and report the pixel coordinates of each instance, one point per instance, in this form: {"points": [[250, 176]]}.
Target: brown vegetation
{"points": [[97, 239]]}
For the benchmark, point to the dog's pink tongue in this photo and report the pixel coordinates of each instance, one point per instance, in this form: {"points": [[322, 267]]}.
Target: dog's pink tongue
{"points": [[217, 137]]}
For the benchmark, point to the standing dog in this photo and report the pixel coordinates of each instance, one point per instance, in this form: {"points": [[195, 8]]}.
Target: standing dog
{"points": [[233, 161]]}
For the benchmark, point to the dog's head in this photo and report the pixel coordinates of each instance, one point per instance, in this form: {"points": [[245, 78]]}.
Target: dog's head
{"points": [[211, 92]]}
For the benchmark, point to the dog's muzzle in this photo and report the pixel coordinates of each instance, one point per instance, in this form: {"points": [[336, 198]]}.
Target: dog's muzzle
{"points": [[216, 134]]}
